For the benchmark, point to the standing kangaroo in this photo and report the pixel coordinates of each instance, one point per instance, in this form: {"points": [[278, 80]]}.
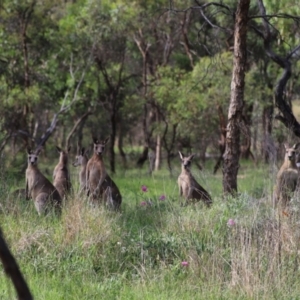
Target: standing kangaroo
{"points": [[38, 187], [287, 177], [189, 188], [99, 184], [61, 175], [81, 160]]}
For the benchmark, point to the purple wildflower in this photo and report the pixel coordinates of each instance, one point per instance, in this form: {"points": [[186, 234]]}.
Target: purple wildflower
{"points": [[185, 263], [162, 197], [144, 188], [143, 203], [231, 222]]}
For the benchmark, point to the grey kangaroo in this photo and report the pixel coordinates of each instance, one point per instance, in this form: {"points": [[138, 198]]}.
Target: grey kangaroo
{"points": [[61, 175], [287, 177], [189, 188], [38, 187], [99, 184]]}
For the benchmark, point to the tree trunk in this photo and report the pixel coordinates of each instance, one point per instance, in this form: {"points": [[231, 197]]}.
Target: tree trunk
{"points": [[232, 144], [112, 142], [158, 153], [222, 140], [267, 151], [143, 157], [120, 144], [246, 152], [287, 117]]}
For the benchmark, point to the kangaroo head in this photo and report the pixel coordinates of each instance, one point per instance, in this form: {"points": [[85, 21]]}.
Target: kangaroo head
{"points": [[99, 146], [63, 155], [186, 161], [79, 159], [33, 156], [290, 153]]}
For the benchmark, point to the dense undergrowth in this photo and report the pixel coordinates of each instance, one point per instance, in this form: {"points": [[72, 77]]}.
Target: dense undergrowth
{"points": [[155, 248]]}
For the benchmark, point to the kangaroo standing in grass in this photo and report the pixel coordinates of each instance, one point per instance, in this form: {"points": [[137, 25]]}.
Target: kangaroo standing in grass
{"points": [[38, 187], [81, 160], [189, 188], [99, 184], [111, 193], [61, 175], [287, 177]]}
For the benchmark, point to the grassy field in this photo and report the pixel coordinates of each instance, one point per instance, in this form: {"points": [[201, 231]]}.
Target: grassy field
{"points": [[157, 249]]}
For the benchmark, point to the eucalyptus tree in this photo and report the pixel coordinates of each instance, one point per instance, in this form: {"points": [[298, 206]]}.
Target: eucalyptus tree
{"points": [[232, 20], [163, 38], [288, 50], [102, 30], [28, 41]]}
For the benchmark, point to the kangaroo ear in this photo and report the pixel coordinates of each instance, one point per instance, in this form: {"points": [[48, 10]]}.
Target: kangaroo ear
{"points": [[29, 151], [191, 156], [38, 150], [82, 151], [180, 154], [69, 149], [286, 146], [58, 149], [95, 140], [296, 146]]}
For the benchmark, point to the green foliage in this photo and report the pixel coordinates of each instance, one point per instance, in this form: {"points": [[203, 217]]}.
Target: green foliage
{"points": [[286, 26]]}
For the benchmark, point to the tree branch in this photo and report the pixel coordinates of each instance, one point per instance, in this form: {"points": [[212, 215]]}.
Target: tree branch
{"points": [[287, 117], [282, 15], [12, 270], [78, 122]]}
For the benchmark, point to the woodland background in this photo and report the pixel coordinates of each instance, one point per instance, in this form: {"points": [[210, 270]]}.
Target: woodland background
{"points": [[154, 76]]}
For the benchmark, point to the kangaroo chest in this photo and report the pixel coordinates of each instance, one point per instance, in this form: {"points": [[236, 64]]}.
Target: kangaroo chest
{"points": [[185, 182], [33, 177], [82, 175], [95, 172]]}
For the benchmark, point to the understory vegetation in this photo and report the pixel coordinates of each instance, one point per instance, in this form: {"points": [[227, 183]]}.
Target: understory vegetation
{"points": [[155, 248]]}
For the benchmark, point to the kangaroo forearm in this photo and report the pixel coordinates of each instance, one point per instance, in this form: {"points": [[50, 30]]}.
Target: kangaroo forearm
{"points": [[102, 178]]}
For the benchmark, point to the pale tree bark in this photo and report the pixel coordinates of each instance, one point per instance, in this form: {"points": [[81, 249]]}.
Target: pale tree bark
{"points": [[158, 152], [235, 113]]}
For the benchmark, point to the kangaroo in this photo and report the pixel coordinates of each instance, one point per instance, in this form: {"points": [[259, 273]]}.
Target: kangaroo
{"points": [[189, 188], [81, 159], [287, 177], [99, 184], [61, 176], [38, 187]]}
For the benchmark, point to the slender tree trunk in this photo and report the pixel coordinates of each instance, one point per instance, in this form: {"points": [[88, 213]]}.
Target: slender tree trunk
{"points": [[112, 142], [267, 131], [246, 152], [158, 153], [120, 144], [221, 142], [146, 57], [143, 157], [232, 144]]}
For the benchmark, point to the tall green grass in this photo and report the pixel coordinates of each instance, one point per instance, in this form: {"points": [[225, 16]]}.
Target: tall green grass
{"points": [[92, 253]]}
